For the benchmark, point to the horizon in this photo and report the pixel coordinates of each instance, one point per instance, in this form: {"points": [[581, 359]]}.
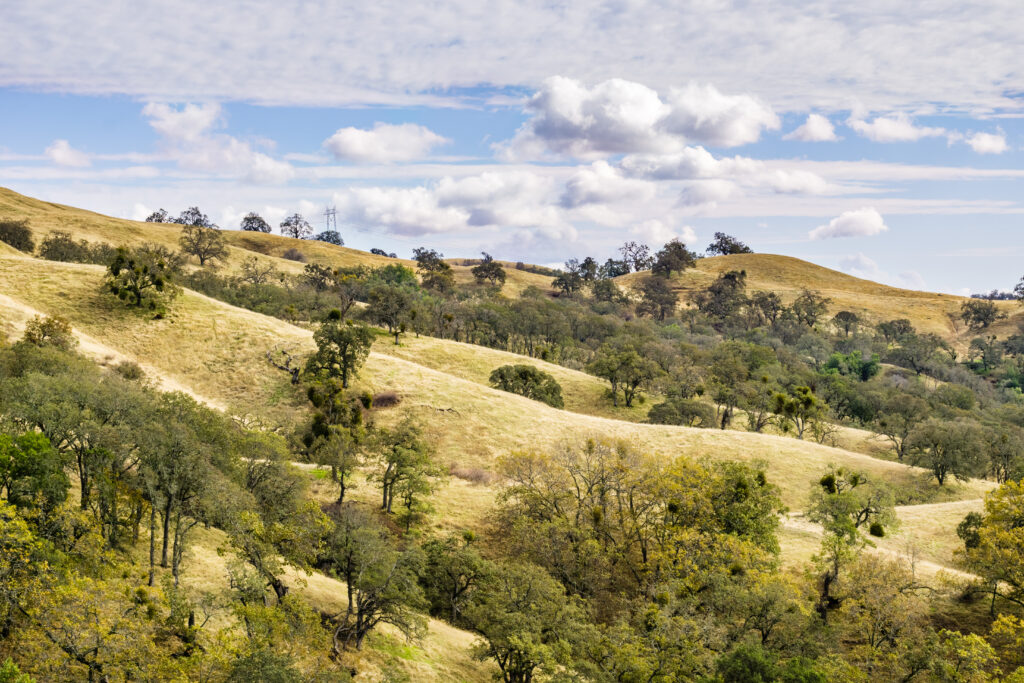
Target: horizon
{"points": [[896, 161]]}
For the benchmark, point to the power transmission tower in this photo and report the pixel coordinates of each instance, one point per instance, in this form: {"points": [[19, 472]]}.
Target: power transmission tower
{"points": [[331, 218]]}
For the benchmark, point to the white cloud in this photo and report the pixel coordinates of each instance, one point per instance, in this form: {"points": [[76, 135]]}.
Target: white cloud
{"points": [[383, 143], [189, 141], [859, 223], [816, 128], [895, 128], [623, 117], [187, 124], [988, 143], [600, 183], [394, 53], [63, 154], [702, 113], [657, 233], [696, 163], [140, 212], [494, 200], [708, 193], [861, 266]]}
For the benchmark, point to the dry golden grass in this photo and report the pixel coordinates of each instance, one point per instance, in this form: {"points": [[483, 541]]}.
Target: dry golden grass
{"points": [[929, 312], [44, 217], [218, 351]]}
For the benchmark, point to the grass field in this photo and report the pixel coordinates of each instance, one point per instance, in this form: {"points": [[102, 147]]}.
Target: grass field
{"points": [[216, 352]]}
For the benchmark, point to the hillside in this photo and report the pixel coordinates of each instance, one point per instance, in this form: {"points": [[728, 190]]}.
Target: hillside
{"points": [[788, 276], [93, 227]]}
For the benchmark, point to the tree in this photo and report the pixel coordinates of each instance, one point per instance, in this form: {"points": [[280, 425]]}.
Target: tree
{"points": [[489, 270], [899, 416], [389, 305], [624, 368], [846, 321], [978, 314], [253, 222], [612, 269], [657, 298], [256, 272], [724, 297], [809, 307], [32, 472], [768, 306], [673, 257], [342, 347], [453, 570], [331, 237], [725, 245], [846, 504], [528, 381], [404, 464], [380, 252], [380, 579], [296, 226], [525, 621], [636, 255], [569, 281], [159, 216], [52, 331], [895, 330], [206, 244], [998, 554], [798, 408], [335, 436], [17, 234], [139, 275], [917, 351], [948, 447], [193, 216], [1005, 448], [435, 272], [681, 411]]}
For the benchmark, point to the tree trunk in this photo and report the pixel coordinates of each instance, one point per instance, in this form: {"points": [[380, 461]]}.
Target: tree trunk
{"points": [[152, 543], [166, 531]]}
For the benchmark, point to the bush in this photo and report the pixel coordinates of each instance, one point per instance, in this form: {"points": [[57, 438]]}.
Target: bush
{"points": [[294, 254], [55, 331], [386, 399], [528, 381], [129, 370], [17, 234], [474, 475], [58, 246], [688, 412]]}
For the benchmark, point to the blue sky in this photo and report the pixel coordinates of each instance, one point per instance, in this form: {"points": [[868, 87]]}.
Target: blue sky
{"points": [[882, 141]]}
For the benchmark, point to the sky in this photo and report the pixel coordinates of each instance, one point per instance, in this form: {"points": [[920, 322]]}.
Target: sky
{"points": [[881, 139]]}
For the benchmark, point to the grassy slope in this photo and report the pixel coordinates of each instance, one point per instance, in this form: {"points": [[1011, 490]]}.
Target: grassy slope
{"points": [[218, 351], [45, 216], [929, 312]]}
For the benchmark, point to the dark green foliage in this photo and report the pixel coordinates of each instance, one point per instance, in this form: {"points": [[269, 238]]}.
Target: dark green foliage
{"points": [[140, 276], [58, 246], [390, 306], [205, 243], [17, 234], [490, 271], [436, 273], [331, 237], [51, 331], [968, 530], [657, 299], [674, 257], [264, 666], [381, 252], [688, 412], [725, 245], [159, 216], [528, 381], [253, 222], [342, 347], [854, 365], [32, 472], [195, 217], [724, 297], [810, 307], [979, 314], [948, 447]]}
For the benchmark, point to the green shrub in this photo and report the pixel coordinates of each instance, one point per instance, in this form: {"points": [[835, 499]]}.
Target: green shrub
{"points": [[528, 381], [677, 411], [17, 234]]}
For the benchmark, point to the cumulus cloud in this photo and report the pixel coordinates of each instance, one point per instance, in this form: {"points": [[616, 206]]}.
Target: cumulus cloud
{"points": [[600, 183], [988, 143], [911, 279], [657, 232], [383, 143], [491, 200], [63, 154], [696, 163], [623, 117], [859, 223], [816, 128], [188, 137], [896, 128], [702, 113]]}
